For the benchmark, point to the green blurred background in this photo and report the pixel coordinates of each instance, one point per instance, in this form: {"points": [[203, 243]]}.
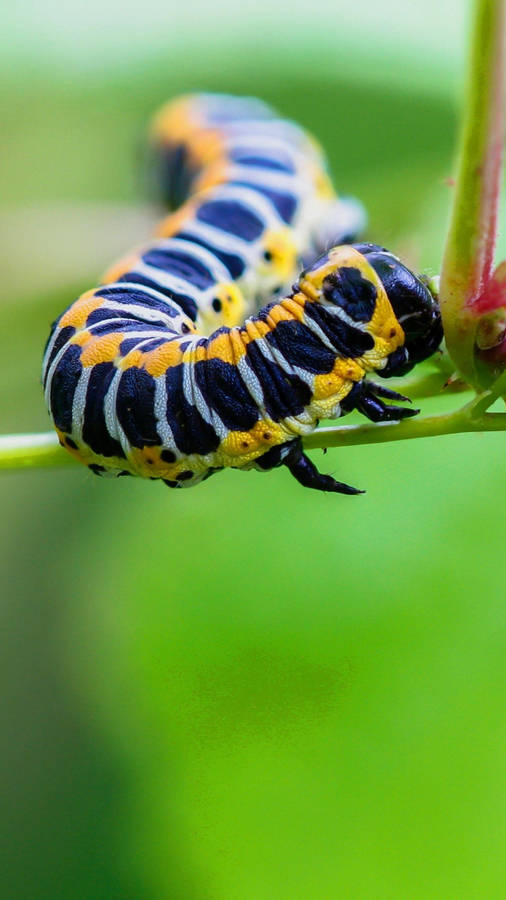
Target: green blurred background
{"points": [[247, 690]]}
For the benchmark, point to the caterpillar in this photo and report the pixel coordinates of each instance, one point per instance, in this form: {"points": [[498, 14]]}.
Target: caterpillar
{"points": [[207, 347]]}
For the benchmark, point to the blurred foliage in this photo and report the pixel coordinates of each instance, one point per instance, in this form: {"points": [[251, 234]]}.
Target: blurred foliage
{"points": [[248, 690]]}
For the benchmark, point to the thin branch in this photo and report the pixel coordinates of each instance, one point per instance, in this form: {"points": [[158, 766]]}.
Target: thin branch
{"points": [[30, 451], [43, 450], [427, 426]]}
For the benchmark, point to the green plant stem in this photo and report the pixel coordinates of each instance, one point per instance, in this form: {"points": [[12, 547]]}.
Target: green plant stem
{"points": [[43, 450], [427, 426], [32, 451], [468, 255]]}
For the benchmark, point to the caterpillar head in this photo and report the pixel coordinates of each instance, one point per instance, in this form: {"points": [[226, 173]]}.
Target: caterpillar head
{"points": [[347, 277]]}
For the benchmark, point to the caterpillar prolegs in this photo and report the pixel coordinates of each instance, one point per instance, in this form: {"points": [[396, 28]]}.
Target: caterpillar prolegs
{"points": [[173, 369]]}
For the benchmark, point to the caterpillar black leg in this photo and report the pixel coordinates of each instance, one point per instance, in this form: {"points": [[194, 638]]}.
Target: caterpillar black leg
{"points": [[379, 390], [364, 397], [308, 475]]}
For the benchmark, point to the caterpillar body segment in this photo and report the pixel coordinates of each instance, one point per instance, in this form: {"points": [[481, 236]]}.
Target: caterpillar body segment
{"points": [[168, 370]]}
